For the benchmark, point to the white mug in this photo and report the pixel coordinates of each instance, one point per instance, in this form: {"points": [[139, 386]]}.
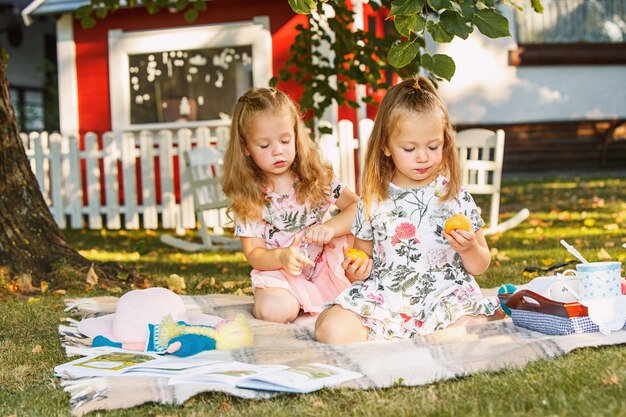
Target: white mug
{"points": [[599, 280]]}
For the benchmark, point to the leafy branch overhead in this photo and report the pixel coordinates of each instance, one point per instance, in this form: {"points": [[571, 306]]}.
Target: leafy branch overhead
{"points": [[362, 56], [330, 53]]}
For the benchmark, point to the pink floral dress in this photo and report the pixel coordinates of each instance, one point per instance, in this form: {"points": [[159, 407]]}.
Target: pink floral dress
{"points": [[284, 219], [418, 284]]}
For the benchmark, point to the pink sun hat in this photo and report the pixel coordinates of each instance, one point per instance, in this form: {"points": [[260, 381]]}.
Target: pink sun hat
{"points": [[138, 308]]}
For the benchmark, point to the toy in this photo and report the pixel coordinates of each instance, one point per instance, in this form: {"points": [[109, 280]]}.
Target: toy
{"points": [[156, 320], [506, 289], [182, 339]]}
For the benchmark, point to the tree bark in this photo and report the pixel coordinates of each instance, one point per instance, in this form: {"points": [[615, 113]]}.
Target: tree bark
{"points": [[31, 243]]}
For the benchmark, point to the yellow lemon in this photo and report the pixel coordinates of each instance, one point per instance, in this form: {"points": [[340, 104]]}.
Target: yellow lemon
{"points": [[458, 221], [357, 255]]}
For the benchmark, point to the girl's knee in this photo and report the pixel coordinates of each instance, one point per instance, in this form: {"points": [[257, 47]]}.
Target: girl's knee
{"points": [[275, 308], [339, 326]]}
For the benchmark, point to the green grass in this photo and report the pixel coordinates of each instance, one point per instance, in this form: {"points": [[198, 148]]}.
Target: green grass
{"points": [[590, 213]]}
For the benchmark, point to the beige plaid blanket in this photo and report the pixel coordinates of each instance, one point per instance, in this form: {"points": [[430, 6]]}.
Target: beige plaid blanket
{"points": [[442, 355]]}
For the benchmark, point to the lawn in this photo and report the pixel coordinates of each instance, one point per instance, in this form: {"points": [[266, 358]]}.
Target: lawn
{"points": [[589, 213]]}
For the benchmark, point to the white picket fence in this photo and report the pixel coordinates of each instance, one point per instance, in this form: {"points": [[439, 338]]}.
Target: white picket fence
{"points": [[82, 187]]}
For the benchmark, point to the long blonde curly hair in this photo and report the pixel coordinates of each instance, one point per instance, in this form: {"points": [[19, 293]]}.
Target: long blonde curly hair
{"points": [[413, 95], [243, 181]]}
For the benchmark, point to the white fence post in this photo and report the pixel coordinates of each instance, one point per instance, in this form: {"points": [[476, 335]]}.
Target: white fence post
{"points": [[345, 130], [111, 182], [93, 181], [169, 213], [131, 219], [74, 185], [72, 181], [188, 216], [56, 179], [148, 185]]}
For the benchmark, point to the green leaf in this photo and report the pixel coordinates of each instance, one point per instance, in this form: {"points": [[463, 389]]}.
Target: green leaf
{"points": [[438, 32], [467, 10], [408, 24], [405, 7], [303, 6], [455, 24], [537, 6], [491, 24], [402, 53], [325, 130], [444, 4], [439, 64], [191, 15]]}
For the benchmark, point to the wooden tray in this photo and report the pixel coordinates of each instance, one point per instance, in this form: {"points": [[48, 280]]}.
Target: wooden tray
{"points": [[531, 301]]}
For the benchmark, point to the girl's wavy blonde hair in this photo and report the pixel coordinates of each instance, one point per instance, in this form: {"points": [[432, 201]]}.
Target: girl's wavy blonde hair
{"points": [[414, 95], [243, 181]]}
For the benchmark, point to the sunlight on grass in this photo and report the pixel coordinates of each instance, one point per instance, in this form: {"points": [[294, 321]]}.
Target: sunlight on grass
{"points": [[589, 213]]}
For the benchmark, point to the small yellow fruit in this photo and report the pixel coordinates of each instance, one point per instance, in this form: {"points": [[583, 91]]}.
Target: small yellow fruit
{"points": [[357, 255], [458, 221]]}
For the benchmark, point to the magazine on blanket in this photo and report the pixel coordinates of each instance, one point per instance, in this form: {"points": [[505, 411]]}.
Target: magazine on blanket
{"points": [[115, 362], [298, 379]]}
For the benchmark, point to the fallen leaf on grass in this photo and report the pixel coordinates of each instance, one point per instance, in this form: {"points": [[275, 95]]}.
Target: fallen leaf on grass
{"points": [[206, 281], [603, 255], [37, 349], [92, 277], [143, 284], [43, 286], [589, 222], [612, 380], [176, 283], [229, 284], [33, 300], [225, 406], [318, 404], [59, 292], [530, 275]]}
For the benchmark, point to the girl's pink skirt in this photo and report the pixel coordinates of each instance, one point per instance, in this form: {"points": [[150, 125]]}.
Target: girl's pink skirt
{"points": [[311, 290]]}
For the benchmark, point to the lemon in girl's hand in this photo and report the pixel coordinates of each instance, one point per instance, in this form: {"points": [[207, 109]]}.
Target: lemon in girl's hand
{"points": [[357, 255], [458, 221]]}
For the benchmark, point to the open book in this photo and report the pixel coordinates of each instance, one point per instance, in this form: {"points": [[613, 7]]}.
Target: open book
{"points": [[115, 362], [199, 369], [300, 379]]}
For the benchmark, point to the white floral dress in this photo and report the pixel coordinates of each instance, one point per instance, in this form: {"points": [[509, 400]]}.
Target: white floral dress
{"points": [[284, 219], [418, 284]]}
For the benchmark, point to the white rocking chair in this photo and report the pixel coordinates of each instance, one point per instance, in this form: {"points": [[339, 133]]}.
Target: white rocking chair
{"points": [[481, 153], [204, 173]]}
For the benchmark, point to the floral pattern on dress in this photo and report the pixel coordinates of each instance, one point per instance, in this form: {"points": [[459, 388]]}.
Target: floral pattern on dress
{"points": [[418, 283], [283, 219]]}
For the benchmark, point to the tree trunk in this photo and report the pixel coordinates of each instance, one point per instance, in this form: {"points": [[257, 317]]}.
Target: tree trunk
{"points": [[31, 243]]}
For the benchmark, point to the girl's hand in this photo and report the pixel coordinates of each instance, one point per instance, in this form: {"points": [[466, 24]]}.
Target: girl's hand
{"points": [[292, 261], [460, 240], [356, 270], [320, 234]]}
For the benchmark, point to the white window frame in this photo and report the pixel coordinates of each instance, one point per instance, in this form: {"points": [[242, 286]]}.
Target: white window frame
{"points": [[122, 44]]}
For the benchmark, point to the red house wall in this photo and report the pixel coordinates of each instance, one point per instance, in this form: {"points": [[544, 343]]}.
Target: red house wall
{"points": [[92, 65]]}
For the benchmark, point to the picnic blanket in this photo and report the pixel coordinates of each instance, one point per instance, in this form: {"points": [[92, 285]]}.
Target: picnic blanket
{"points": [[421, 360]]}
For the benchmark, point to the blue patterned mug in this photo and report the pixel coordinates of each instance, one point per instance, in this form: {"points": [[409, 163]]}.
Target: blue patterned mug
{"points": [[599, 280]]}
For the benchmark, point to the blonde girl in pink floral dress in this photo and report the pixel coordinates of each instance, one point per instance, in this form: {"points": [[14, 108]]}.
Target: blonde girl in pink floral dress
{"points": [[419, 278], [280, 193]]}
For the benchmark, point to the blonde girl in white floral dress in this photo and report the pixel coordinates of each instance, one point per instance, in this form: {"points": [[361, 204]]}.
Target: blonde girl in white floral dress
{"points": [[419, 278], [280, 193]]}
